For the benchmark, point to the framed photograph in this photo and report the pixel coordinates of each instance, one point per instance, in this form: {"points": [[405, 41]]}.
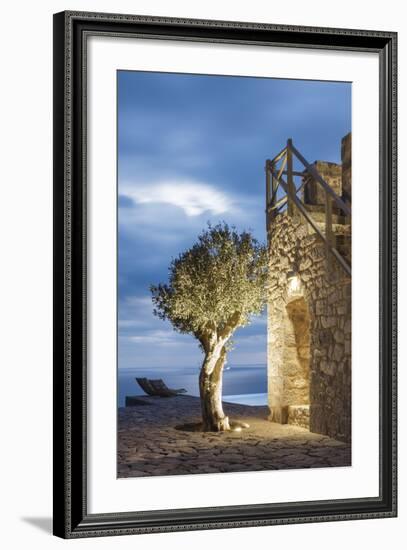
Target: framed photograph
{"points": [[224, 274]]}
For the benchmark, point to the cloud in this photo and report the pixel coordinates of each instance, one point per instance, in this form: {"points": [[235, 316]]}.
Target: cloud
{"points": [[251, 338], [162, 338], [156, 337], [194, 198], [138, 325], [131, 323], [139, 301]]}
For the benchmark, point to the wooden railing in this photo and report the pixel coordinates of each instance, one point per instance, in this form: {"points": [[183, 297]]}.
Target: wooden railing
{"points": [[282, 165]]}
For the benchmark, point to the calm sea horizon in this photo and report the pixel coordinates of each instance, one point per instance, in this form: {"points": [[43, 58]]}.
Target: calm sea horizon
{"points": [[244, 384]]}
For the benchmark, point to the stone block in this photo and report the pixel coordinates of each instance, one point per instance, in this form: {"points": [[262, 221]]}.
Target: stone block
{"points": [[319, 307], [338, 352], [328, 322], [332, 174], [333, 297], [339, 336], [325, 337], [306, 263], [341, 309], [327, 367], [299, 415]]}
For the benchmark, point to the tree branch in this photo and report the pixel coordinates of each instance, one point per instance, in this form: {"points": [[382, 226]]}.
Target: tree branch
{"points": [[231, 324]]}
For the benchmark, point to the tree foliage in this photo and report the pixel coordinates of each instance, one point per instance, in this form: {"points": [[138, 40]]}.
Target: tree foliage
{"points": [[215, 286]]}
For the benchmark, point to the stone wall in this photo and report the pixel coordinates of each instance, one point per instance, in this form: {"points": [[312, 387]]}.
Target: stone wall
{"points": [[331, 173], [309, 331], [346, 154]]}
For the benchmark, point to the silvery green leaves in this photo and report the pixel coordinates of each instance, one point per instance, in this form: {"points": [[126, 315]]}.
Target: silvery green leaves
{"points": [[216, 285]]}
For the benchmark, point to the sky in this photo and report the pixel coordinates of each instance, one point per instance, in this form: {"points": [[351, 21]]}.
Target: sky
{"points": [[192, 149]]}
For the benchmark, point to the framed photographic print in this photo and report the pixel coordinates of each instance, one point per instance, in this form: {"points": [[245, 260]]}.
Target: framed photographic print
{"points": [[224, 274]]}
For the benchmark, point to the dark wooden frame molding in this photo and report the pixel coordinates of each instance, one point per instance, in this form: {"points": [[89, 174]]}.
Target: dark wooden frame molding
{"points": [[71, 518]]}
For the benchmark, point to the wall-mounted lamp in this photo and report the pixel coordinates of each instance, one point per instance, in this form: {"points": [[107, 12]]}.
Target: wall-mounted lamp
{"points": [[294, 282]]}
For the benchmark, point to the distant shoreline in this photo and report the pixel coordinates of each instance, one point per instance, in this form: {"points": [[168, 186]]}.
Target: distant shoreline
{"points": [[238, 382], [179, 369]]}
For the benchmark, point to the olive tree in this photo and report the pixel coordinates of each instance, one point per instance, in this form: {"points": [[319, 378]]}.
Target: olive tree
{"points": [[214, 288]]}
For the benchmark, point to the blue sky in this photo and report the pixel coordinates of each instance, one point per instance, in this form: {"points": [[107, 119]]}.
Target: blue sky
{"points": [[192, 149]]}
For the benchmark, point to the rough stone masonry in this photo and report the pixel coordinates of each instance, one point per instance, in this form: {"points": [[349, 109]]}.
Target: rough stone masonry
{"points": [[309, 312]]}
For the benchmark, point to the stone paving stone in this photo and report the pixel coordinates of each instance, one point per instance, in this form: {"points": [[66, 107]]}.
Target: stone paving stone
{"points": [[150, 442]]}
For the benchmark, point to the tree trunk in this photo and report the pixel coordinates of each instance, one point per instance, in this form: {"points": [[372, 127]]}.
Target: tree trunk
{"points": [[210, 387]]}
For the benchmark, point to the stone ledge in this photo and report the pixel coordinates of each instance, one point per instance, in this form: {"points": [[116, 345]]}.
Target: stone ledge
{"points": [[298, 415]]}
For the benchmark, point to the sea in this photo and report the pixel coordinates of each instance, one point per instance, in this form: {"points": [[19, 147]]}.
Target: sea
{"points": [[244, 384]]}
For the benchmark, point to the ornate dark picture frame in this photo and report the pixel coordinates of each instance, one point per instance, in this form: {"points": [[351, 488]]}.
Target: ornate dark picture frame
{"points": [[71, 517]]}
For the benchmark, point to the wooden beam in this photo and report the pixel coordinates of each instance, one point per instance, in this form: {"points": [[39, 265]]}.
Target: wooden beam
{"points": [[329, 237], [268, 192], [268, 195], [301, 208], [275, 181], [279, 156], [346, 208], [281, 171], [278, 204], [295, 173], [290, 180]]}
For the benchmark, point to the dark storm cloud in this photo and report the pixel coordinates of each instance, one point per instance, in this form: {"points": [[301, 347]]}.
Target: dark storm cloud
{"points": [[192, 149]]}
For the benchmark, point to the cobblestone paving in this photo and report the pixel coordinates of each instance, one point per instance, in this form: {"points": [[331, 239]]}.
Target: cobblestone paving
{"points": [[150, 442]]}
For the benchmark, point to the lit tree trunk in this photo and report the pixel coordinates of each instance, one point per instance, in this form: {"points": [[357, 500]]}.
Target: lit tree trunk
{"points": [[210, 387]]}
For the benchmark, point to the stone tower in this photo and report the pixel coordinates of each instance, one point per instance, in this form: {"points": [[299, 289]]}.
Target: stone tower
{"points": [[309, 309]]}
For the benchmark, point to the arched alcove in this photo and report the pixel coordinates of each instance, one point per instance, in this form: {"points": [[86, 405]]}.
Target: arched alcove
{"points": [[297, 352], [296, 361], [289, 361]]}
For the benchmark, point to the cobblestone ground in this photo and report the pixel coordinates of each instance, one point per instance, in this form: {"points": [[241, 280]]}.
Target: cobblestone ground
{"points": [[151, 442]]}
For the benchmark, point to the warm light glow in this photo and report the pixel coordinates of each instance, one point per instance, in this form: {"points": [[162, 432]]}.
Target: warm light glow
{"points": [[294, 284]]}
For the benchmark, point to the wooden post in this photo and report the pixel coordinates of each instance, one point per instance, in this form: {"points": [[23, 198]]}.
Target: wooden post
{"points": [[329, 236], [290, 180], [268, 196], [273, 189]]}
